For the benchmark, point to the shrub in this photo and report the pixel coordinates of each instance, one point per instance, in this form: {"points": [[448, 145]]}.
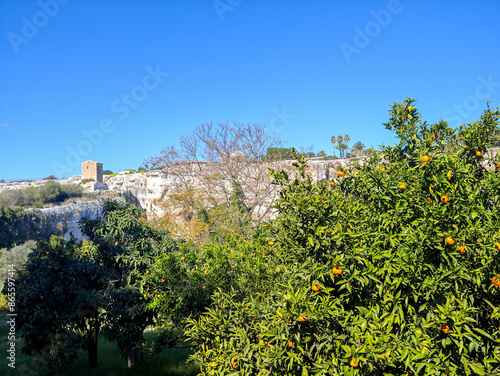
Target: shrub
{"points": [[16, 256], [392, 269], [49, 192]]}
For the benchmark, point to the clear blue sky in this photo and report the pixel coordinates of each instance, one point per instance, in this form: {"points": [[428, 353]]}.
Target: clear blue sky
{"points": [[67, 68]]}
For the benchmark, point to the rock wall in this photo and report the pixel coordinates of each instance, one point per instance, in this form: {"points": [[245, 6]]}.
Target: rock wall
{"points": [[63, 220]]}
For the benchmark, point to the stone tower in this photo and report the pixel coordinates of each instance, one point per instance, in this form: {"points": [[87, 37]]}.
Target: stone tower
{"points": [[92, 170]]}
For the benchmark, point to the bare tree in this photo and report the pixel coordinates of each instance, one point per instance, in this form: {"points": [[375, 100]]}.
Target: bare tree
{"points": [[217, 163]]}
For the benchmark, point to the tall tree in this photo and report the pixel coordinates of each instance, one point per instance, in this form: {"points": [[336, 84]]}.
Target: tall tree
{"points": [[346, 140], [340, 139], [333, 140]]}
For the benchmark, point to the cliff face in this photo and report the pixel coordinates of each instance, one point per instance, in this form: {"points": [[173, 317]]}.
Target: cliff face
{"points": [[142, 189], [63, 220]]}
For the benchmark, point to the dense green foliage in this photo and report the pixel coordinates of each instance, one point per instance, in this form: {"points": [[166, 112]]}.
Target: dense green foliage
{"points": [[16, 256], [50, 192], [386, 270]]}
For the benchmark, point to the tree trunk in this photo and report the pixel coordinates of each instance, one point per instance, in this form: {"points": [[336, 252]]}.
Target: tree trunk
{"points": [[134, 358], [92, 338]]}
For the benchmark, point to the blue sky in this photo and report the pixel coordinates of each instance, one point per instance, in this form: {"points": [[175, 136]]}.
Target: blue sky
{"points": [[116, 81]]}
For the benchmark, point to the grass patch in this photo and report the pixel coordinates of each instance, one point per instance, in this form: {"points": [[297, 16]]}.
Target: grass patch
{"points": [[170, 362]]}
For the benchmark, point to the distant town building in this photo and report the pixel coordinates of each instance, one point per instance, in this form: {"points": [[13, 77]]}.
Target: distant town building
{"points": [[128, 171], [92, 170]]}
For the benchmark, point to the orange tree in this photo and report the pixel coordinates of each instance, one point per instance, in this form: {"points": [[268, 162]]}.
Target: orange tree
{"points": [[125, 247], [182, 282], [58, 296], [390, 269]]}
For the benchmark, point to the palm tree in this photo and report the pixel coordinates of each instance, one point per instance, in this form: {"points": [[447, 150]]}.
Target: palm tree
{"points": [[342, 148], [347, 139], [358, 146], [339, 141], [333, 140]]}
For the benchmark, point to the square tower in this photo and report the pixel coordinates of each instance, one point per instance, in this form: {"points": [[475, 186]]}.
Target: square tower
{"points": [[92, 170]]}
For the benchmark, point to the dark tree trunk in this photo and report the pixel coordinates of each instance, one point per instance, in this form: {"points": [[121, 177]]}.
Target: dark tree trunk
{"points": [[134, 358], [92, 338]]}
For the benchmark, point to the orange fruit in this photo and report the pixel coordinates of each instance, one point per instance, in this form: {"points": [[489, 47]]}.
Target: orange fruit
{"points": [[383, 168], [445, 328], [234, 365], [450, 240], [116, 243], [353, 363], [289, 343], [479, 153], [497, 246], [336, 270], [47, 253], [425, 158], [315, 288], [461, 249], [340, 173], [467, 147], [402, 186], [445, 199], [302, 318], [434, 136], [322, 201], [429, 201], [332, 184], [271, 243]]}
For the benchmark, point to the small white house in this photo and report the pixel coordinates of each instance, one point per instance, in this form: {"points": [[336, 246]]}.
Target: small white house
{"points": [[127, 171]]}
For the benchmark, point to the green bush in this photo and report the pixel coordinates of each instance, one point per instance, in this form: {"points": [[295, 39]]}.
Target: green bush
{"points": [[391, 268], [16, 256]]}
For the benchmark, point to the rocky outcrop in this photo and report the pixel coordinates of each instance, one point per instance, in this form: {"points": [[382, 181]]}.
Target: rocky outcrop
{"points": [[64, 220]]}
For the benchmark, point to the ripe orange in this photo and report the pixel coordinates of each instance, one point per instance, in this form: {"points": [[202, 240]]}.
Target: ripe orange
{"points": [[47, 253], [341, 173], [434, 136], [302, 318], [353, 363], [495, 281], [383, 168], [289, 343], [332, 184], [467, 147], [315, 288], [479, 153], [497, 246], [445, 199], [425, 158], [450, 240], [271, 243], [429, 201], [461, 249], [445, 328], [336, 270], [402, 186]]}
